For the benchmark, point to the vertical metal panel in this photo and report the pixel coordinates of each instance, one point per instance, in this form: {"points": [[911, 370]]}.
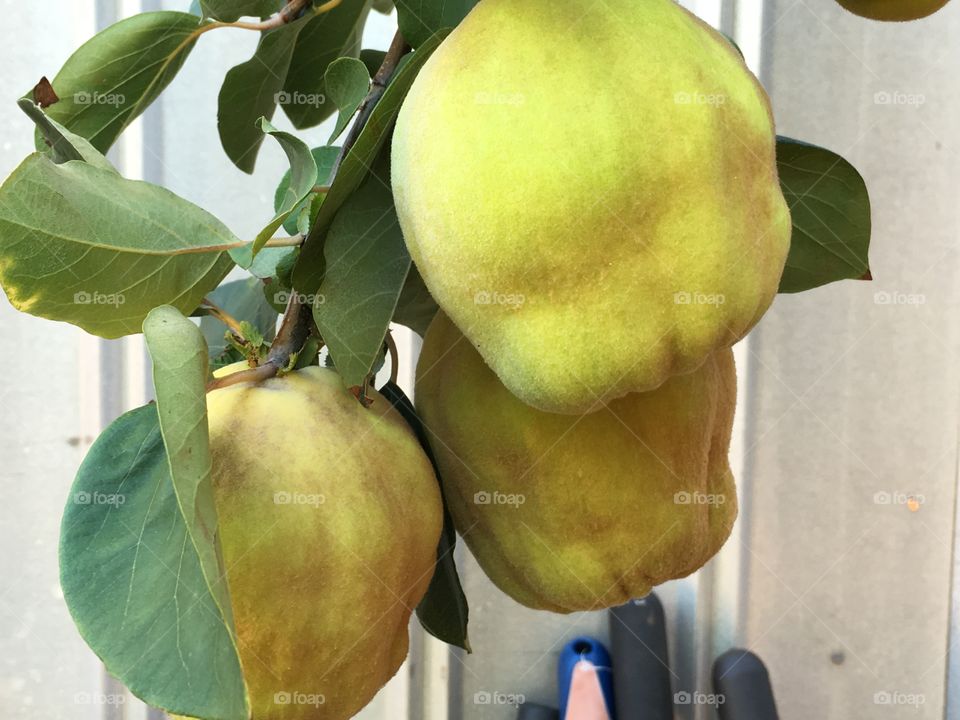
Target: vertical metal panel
{"points": [[853, 387]]}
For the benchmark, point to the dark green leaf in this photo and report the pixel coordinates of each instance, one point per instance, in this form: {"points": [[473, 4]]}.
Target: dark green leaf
{"points": [[308, 273], [416, 306], [421, 19], [244, 301], [373, 59], [301, 179], [252, 90], [443, 611], [233, 10], [114, 76], [830, 209], [62, 226], [367, 263], [133, 581], [328, 36], [325, 157], [348, 82]]}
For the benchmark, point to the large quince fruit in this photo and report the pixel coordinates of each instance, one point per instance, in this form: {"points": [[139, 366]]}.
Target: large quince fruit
{"points": [[329, 516], [590, 193], [570, 513], [897, 10]]}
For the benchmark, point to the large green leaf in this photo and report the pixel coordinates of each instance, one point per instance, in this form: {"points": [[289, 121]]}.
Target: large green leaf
{"points": [[84, 245], [830, 210], [420, 19], [301, 180], [114, 76], [326, 37], [251, 90], [443, 611], [133, 581], [245, 302], [180, 366], [367, 263], [233, 10], [309, 270]]}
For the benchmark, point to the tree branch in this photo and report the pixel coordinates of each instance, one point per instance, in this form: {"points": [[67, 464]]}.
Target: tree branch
{"points": [[298, 318]]}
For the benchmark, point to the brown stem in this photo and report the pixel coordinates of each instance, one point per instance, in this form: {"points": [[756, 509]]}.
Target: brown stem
{"points": [[298, 317], [223, 316], [394, 357]]}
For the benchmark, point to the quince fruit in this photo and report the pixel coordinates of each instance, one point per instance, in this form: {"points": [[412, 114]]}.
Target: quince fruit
{"points": [[896, 10], [569, 513], [590, 192], [329, 517]]}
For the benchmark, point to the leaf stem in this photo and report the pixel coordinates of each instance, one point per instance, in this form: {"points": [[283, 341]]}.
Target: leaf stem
{"points": [[394, 357], [222, 315], [297, 320]]}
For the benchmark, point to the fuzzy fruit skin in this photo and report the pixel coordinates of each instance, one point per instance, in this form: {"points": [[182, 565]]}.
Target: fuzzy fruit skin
{"points": [[567, 174], [599, 524], [321, 591], [893, 10]]}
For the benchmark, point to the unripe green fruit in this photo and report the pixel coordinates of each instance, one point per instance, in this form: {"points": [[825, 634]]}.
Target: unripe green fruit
{"points": [[329, 517], [569, 513], [590, 193]]}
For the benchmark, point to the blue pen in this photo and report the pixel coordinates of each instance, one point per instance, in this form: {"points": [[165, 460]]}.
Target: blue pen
{"points": [[585, 679]]}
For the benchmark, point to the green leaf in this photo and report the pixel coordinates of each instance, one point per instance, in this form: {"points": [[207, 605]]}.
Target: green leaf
{"points": [[233, 10], [830, 209], [416, 306], [133, 582], [325, 158], [328, 36], [63, 144], [300, 183], [243, 300], [86, 246], [348, 83], [443, 611], [308, 273], [180, 371], [419, 20], [373, 59], [367, 263], [251, 90], [112, 78]]}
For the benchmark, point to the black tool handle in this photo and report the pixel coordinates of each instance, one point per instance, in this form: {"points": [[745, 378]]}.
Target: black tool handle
{"points": [[641, 668], [532, 711], [741, 678]]}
